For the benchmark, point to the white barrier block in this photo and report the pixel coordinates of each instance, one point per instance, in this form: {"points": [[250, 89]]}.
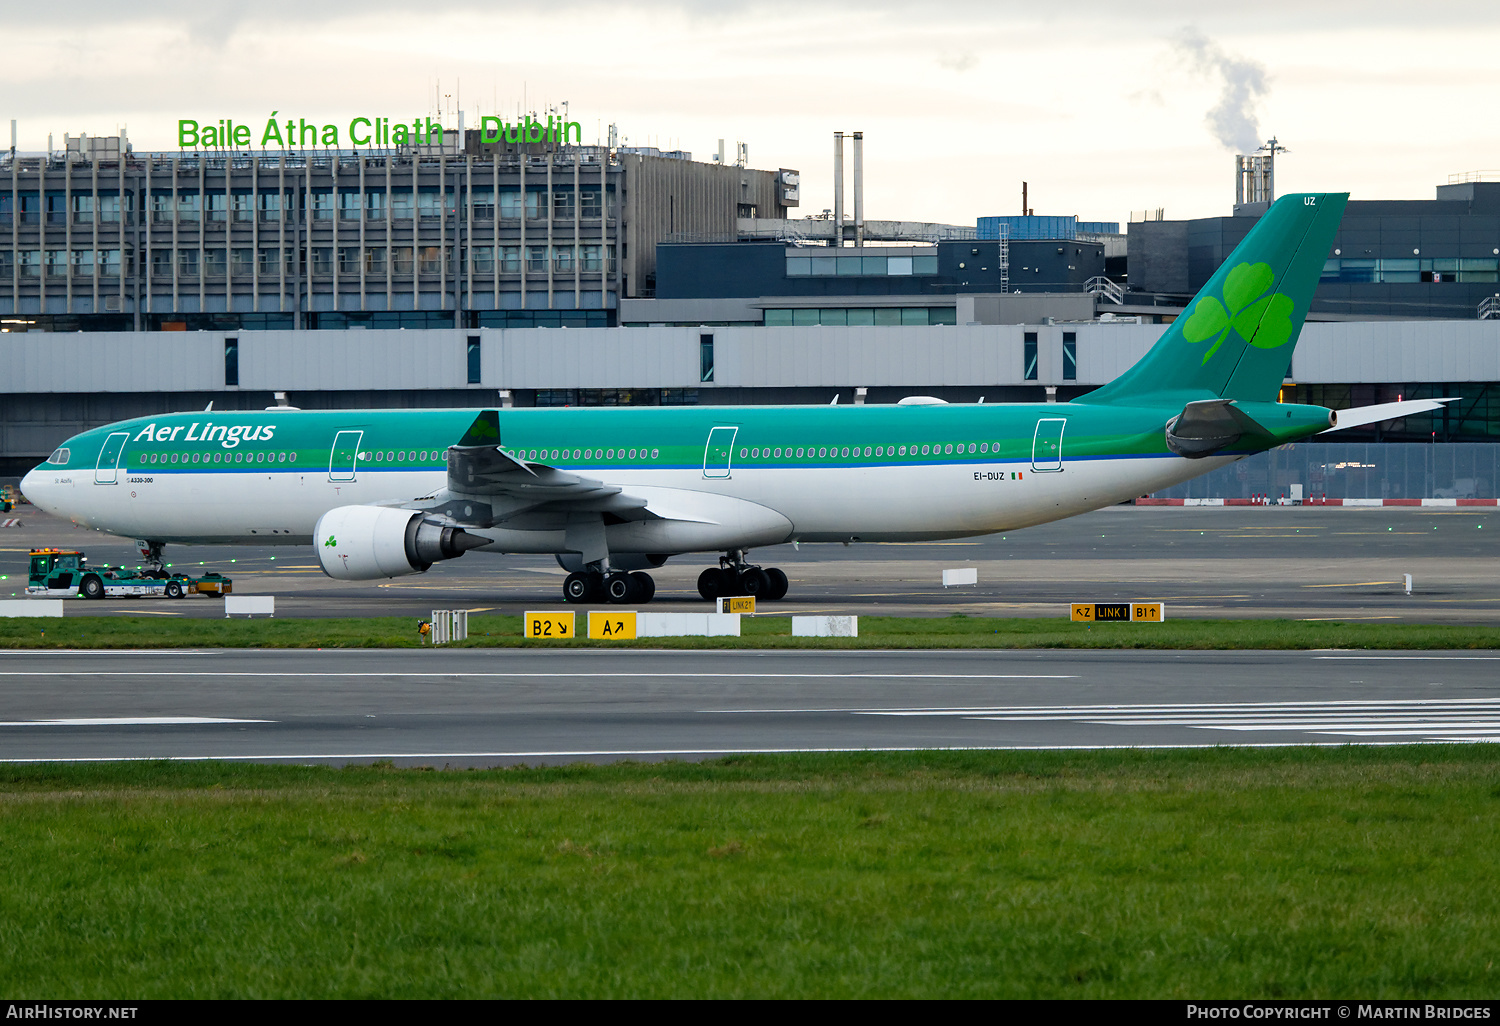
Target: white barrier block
{"points": [[963, 575], [249, 605], [687, 625], [31, 607], [825, 626], [723, 625]]}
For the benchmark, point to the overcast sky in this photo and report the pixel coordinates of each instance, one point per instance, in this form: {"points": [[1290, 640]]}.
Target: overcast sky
{"points": [[1103, 109]]}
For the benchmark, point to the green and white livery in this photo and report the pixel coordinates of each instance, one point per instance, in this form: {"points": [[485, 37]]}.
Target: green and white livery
{"points": [[614, 492]]}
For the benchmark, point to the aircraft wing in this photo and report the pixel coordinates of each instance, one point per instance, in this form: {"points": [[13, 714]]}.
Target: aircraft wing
{"points": [[488, 486], [1361, 416]]}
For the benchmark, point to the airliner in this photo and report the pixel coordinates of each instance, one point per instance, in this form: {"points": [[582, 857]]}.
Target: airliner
{"points": [[612, 493]]}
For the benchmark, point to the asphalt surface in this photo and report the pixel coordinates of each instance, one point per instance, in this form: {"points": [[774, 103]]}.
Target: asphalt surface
{"points": [[475, 707], [1301, 562], [468, 707]]}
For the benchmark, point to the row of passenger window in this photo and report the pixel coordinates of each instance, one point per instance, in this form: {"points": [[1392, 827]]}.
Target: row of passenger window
{"points": [[385, 456], [148, 458], [584, 454], [756, 453], [824, 452], [393, 456]]}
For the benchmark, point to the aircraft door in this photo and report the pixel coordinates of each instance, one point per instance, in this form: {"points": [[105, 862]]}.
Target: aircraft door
{"points": [[719, 452], [107, 471], [343, 464], [1046, 445]]}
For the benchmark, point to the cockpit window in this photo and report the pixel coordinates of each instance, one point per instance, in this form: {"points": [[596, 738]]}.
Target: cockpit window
{"points": [[59, 457]]}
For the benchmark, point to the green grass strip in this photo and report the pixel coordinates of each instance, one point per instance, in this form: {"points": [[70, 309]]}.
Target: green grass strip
{"points": [[760, 632], [1329, 872]]}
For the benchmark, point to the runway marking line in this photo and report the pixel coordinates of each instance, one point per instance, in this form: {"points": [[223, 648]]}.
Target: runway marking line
{"points": [[584, 673], [1417, 658], [1369, 706], [127, 721], [720, 751]]}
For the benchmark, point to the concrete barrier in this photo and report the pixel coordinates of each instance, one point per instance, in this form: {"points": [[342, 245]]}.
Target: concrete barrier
{"points": [[825, 626], [449, 625], [31, 607], [680, 625], [963, 575], [249, 605]]}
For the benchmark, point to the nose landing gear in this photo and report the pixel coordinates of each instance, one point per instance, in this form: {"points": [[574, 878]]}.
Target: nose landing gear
{"points": [[151, 552], [733, 576]]}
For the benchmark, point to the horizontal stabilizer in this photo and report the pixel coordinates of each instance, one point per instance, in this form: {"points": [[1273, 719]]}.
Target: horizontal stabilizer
{"points": [[1364, 415], [1210, 426]]}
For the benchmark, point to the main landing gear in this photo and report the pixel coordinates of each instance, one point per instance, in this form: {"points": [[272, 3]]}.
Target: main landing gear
{"points": [[733, 576], [617, 587]]}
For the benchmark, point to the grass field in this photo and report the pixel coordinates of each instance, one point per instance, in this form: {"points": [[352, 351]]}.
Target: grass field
{"points": [[956, 631], [1221, 872]]}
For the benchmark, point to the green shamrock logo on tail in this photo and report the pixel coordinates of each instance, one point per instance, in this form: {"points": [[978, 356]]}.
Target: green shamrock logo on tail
{"points": [[330, 543], [1263, 321]]}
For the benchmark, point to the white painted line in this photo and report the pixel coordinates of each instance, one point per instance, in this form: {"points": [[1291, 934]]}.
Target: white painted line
{"points": [[578, 754], [430, 674], [127, 721], [1416, 658], [1403, 706]]}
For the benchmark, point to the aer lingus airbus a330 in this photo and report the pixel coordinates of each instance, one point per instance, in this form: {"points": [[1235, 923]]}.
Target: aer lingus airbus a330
{"points": [[614, 492]]}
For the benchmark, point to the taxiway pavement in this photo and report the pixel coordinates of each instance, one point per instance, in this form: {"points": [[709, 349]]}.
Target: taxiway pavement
{"points": [[467, 707], [1300, 562]]}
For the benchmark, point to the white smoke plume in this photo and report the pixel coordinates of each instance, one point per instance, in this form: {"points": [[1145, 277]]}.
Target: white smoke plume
{"points": [[1232, 119]]}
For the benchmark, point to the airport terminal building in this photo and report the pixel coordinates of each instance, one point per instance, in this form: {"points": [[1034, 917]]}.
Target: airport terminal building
{"points": [[678, 282], [93, 239]]}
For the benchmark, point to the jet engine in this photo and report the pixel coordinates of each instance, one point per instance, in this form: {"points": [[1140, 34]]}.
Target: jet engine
{"points": [[363, 543]]}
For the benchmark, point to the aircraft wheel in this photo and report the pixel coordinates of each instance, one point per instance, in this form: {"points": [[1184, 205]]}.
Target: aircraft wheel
{"points": [[577, 587], [645, 586], [174, 589], [754, 581], [708, 583], [779, 585], [619, 588], [91, 587]]}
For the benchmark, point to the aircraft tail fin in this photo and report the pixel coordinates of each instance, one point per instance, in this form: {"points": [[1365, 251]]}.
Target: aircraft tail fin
{"points": [[1235, 338]]}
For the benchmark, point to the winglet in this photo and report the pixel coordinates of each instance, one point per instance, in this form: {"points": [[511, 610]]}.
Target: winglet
{"points": [[484, 431]]}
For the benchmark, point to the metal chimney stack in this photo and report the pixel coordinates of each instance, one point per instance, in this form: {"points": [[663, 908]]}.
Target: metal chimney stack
{"points": [[859, 188], [838, 188]]}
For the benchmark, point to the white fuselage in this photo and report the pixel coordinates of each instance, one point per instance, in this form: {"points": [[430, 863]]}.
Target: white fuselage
{"points": [[753, 506]]}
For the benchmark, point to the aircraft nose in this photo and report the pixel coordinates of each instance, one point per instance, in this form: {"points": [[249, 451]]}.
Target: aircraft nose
{"points": [[32, 488]]}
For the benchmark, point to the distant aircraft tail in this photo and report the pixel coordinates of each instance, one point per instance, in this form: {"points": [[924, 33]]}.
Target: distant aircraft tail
{"points": [[1235, 338]]}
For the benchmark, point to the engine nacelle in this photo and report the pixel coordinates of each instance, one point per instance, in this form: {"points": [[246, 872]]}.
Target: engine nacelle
{"points": [[364, 543]]}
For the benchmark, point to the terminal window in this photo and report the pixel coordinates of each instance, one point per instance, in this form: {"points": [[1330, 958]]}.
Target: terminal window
{"points": [[861, 316]]}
